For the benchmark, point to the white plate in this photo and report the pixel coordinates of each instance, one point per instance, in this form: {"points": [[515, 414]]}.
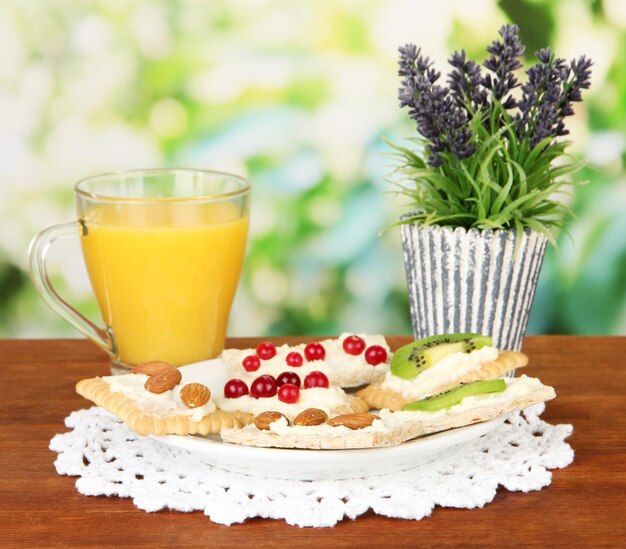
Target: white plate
{"points": [[285, 463]]}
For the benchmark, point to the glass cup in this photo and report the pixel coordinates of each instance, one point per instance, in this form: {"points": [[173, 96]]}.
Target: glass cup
{"points": [[163, 250]]}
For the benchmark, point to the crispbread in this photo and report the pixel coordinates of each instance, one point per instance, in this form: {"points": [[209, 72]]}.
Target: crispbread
{"points": [[350, 404], [98, 391], [268, 439], [350, 380], [345, 378], [486, 413], [394, 435], [378, 396]]}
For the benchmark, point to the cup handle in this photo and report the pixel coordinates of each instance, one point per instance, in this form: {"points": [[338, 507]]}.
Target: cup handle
{"points": [[39, 274]]}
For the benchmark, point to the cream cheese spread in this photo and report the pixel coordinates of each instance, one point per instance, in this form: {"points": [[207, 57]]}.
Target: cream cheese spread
{"points": [[327, 399], [281, 427], [516, 388], [336, 360], [446, 371], [166, 404]]}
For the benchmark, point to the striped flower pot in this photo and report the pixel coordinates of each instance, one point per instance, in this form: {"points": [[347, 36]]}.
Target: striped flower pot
{"points": [[471, 281]]}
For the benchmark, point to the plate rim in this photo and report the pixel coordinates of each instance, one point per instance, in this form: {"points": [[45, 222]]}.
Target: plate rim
{"points": [[330, 454]]}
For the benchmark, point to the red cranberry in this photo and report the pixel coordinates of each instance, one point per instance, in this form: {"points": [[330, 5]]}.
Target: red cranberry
{"points": [[353, 345], [263, 387], [375, 355], [266, 350], [289, 393], [294, 359], [314, 351], [288, 377], [251, 363], [235, 388], [315, 379]]}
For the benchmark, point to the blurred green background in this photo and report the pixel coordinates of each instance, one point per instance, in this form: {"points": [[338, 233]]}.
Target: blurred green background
{"points": [[296, 96]]}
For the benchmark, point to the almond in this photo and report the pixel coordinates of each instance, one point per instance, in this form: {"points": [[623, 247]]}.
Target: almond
{"points": [[194, 395], [163, 380], [310, 417], [352, 421], [263, 420], [151, 368]]}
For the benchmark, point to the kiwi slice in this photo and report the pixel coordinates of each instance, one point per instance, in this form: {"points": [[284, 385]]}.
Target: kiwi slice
{"points": [[414, 358], [454, 396]]}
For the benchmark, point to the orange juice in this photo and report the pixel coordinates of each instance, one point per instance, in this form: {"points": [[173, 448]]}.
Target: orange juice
{"points": [[165, 276]]}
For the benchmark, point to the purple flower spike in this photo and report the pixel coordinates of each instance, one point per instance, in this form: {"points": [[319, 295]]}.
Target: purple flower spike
{"points": [[437, 115]]}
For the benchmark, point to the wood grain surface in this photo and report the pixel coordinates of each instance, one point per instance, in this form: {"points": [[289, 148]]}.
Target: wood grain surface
{"points": [[585, 506]]}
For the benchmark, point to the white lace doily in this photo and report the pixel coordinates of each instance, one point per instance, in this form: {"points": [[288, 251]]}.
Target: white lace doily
{"points": [[112, 460]]}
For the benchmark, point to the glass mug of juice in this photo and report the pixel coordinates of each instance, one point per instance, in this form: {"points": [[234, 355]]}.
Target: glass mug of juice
{"points": [[163, 250]]}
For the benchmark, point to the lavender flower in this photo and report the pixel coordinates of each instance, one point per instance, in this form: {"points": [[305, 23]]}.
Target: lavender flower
{"points": [[438, 116], [493, 159], [465, 82], [503, 61], [548, 95], [444, 115]]}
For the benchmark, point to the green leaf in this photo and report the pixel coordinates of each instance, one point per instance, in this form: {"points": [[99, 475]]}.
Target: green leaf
{"points": [[503, 195], [536, 151], [505, 184]]}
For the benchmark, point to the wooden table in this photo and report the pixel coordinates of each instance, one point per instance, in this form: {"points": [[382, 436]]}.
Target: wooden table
{"points": [[584, 506]]}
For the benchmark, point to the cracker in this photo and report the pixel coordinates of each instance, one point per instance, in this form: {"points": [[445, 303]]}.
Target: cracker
{"points": [[343, 441], [351, 380], [380, 397], [343, 378], [507, 361], [488, 412], [406, 430], [98, 391], [352, 404]]}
